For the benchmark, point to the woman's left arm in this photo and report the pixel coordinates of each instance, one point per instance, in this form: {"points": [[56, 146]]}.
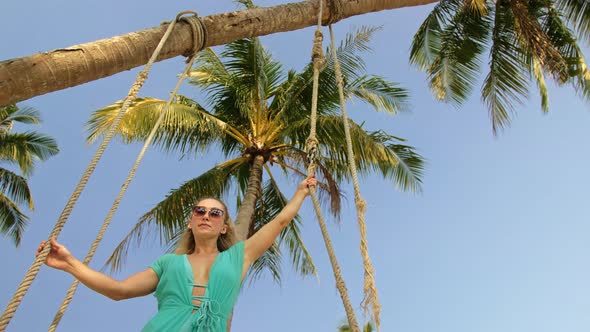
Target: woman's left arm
{"points": [[258, 243]]}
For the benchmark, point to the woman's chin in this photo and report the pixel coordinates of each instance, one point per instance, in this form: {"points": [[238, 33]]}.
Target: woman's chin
{"points": [[205, 234]]}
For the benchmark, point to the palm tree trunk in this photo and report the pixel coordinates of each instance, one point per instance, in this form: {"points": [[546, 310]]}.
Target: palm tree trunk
{"points": [[246, 213], [34, 75]]}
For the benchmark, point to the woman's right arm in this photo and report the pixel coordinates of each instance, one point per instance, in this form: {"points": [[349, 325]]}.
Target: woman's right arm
{"points": [[139, 284]]}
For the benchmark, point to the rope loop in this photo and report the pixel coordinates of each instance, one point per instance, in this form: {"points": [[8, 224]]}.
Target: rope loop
{"points": [[198, 30]]}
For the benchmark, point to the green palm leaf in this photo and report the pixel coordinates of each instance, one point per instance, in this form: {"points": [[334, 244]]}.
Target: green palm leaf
{"points": [[12, 220], [344, 327], [426, 44], [565, 42], [374, 152], [506, 83], [12, 113], [577, 13], [24, 148], [329, 192], [269, 262], [379, 93], [15, 188], [274, 201], [454, 71], [186, 127]]}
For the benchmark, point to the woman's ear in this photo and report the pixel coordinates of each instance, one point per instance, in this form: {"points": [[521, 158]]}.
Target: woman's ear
{"points": [[224, 229]]}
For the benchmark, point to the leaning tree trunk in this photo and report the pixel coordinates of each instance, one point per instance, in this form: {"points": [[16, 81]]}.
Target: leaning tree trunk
{"points": [[247, 208], [34, 75]]}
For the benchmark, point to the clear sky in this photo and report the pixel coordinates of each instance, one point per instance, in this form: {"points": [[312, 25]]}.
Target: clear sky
{"points": [[497, 241]]}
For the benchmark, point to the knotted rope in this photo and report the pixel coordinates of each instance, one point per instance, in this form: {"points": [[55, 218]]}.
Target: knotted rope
{"points": [[70, 293], [369, 289], [312, 153]]}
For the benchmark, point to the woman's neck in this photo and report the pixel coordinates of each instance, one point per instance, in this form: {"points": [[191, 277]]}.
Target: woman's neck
{"points": [[206, 247]]}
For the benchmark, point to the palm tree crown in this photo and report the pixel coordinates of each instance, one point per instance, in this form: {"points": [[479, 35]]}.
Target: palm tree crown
{"points": [[526, 40], [258, 116]]}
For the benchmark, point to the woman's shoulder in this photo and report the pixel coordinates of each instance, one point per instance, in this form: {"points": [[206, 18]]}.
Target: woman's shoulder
{"points": [[165, 262], [237, 246], [236, 250], [168, 258]]}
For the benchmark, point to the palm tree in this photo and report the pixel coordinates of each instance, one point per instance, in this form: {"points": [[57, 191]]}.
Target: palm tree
{"points": [[345, 328], [258, 116], [527, 40], [21, 150]]}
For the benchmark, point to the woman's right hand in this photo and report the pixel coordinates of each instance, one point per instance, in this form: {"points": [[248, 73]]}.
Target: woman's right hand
{"points": [[59, 257]]}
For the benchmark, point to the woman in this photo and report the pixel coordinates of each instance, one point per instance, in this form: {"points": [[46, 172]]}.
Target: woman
{"points": [[197, 286]]}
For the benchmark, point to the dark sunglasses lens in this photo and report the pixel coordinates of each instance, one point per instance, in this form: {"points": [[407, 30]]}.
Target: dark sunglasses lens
{"points": [[199, 210], [216, 213]]}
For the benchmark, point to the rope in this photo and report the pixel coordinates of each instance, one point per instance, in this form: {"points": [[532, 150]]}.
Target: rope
{"points": [[70, 293], [198, 29], [369, 289], [34, 269], [311, 147]]}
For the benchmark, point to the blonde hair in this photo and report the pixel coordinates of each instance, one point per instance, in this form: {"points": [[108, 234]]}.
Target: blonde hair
{"points": [[186, 244]]}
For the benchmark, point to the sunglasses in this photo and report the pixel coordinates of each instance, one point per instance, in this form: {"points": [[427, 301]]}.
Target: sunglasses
{"points": [[213, 213]]}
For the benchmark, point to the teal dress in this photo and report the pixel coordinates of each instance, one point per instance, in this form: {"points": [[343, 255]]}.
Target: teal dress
{"points": [[176, 311]]}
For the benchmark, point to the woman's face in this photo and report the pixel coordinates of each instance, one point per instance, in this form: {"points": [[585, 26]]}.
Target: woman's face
{"points": [[207, 219]]}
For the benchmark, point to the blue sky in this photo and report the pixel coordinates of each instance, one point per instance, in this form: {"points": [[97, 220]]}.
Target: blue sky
{"points": [[497, 240]]}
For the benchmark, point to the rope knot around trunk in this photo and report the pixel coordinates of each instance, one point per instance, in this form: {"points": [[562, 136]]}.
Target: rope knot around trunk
{"points": [[198, 30]]}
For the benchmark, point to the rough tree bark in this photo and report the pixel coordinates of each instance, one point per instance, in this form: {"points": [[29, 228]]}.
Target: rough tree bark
{"points": [[38, 74], [247, 208]]}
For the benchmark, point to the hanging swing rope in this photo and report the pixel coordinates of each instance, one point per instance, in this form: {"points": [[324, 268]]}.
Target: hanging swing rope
{"points": [[312, 151], [199, 34], [34, 269], [369, 289]]}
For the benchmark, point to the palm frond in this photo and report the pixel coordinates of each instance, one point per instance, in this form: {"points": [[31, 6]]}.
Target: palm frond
{"points": [[505, 84], [534, 40], [186, 127], [426, 44], [12, 113], [577, 13], [12, 220], [293, 98], [275, 201], [270, 262], [379, 93], [15, 188], [540, 79], [349, 51], [566, 43], [454, 71], [329, 192], [375, 151], [24, 148], [247, 3]]}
